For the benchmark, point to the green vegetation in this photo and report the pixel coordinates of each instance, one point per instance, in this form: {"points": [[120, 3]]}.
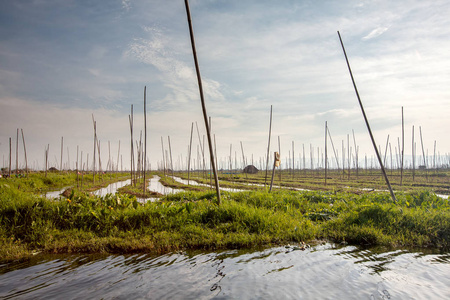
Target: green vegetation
{"points": [[192, 220], [435, 180], [36, 182]]}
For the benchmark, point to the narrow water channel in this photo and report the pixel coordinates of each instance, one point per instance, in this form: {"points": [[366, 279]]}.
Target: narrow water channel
{"points": [[195, 183], [322, 272]]}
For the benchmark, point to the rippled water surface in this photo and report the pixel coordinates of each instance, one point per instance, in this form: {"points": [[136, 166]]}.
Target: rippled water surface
{"points": [[321, 272]]}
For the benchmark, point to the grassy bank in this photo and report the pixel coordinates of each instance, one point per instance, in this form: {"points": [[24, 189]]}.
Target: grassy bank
{"points": [[192, 220], [37, 182]]}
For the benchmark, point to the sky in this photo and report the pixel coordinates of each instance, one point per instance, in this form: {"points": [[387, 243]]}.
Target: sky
{"points": [[63, 63]]}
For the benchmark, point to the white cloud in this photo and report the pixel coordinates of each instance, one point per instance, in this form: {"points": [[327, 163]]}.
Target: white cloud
{"points": [[126, 4], [375, 33]]}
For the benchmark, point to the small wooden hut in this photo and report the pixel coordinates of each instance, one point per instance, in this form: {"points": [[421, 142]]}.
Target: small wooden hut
{"points": [[250, 169]]}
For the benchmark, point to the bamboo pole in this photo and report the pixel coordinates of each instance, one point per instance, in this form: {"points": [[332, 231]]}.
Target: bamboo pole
{"points": [[334, 150], [95, 148], [326, 159], [268, 146], [243, 160], [390, 152], [349, 158], [82, 170], [17, 152], [170, 152], [9, 171], [163, 157], [46, 159], [356, 152], [205, 115], [385, 151], [145, 134], [100, 170], [367, 123], [403, 149], [130, 119], [77, 167], [343, 160], [413, 155], [62, 147], [279, 153], [201, 148], [25, 151], [293, 161], [189, 154], [423, 153], [231, 159], [273, 170]]}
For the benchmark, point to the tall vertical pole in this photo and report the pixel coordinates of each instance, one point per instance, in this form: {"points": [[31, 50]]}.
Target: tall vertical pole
{"points": [[9, 171], [403, 149], [326, 157], [200, 87], [413, 155], [95, 148], [62, 147], [17, 152], [145, 135], [367, 123]]}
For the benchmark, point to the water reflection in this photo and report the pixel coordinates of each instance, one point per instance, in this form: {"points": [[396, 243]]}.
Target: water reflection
{"points": [[324, 271], [156, 186], [195, 183]]}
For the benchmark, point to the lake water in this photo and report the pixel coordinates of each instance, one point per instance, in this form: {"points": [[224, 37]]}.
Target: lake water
{"points": [[153, 185], [322, 272]]}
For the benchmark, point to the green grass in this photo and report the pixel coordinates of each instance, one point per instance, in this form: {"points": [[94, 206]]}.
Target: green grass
{"points": [[193, 220]]}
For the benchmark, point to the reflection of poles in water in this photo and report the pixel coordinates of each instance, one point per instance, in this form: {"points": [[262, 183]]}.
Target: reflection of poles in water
{"points": [[219, 273]]}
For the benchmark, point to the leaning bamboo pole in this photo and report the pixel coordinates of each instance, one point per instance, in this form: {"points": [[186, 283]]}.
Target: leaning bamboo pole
{"points": [[386, 149], [243, 160], [334, 150], [268, 145], [356, 152], [205, 115], [423, 153], [170, 152], [367, 123], [25, 151], [118, 156], [189, 153], [201, 148]]}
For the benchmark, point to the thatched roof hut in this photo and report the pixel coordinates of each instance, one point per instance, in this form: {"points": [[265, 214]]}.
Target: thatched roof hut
{"points": [[250, 169]]}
